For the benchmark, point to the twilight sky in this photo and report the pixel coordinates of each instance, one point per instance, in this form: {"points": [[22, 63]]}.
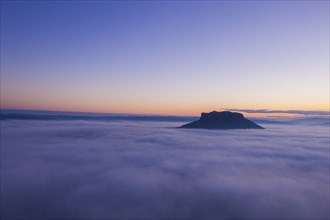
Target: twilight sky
{"points": [[173, 57]]}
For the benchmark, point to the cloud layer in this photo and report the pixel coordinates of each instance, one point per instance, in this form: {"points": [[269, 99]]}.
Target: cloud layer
{"points": [[149, 170], [298, 112]]}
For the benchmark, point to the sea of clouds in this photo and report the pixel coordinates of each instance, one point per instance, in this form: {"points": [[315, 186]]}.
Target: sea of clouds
{"points": [[135, 169]]}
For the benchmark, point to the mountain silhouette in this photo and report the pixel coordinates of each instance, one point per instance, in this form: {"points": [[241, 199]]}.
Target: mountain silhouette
{"points": [[222, 120]]}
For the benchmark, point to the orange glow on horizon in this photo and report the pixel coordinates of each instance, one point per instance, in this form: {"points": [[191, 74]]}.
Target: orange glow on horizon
{"points": [[147, 110]]}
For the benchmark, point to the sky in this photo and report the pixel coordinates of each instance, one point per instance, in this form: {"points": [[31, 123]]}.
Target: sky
{"points": [[164, 57]]}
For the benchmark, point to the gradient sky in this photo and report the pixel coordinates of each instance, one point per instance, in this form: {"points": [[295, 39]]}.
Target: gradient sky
{"points": [[173, 57]]}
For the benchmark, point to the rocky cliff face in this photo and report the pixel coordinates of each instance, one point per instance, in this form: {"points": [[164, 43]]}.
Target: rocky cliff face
{"points": [[222, 120]]}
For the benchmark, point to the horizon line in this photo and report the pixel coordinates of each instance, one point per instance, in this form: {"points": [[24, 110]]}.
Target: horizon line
{"points": [[260, 112]]}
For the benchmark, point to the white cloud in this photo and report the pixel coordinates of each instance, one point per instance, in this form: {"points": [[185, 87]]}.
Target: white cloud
{"points": [[299, 112], [150, 170]]}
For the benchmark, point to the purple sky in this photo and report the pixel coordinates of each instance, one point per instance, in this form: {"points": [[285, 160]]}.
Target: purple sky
{"points": [[173, 57]]}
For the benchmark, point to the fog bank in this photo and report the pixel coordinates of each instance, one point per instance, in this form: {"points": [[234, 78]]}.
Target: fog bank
{"points": [[78, 169]]}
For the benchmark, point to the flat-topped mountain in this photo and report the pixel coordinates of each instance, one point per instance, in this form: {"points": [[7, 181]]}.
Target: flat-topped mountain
{"points": [[222, 120]]}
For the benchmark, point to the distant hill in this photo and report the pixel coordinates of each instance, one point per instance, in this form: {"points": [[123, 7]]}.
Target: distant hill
{"points": [[222, 120]]}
